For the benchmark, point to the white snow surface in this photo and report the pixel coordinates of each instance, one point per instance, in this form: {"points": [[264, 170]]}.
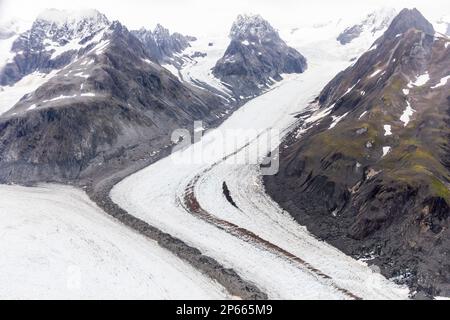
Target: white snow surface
{"points": [[386, 150], [172, 70], [441, 83], [155, 194], [337, 119], [407, 113], [6, 55], [10, 95], [199, 68], [375, 73], [362, 114], [420, 81], [57, 244], [387, 130]]}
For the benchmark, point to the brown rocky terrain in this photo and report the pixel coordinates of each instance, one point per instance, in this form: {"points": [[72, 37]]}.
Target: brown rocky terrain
{"points": [[371, 174]]}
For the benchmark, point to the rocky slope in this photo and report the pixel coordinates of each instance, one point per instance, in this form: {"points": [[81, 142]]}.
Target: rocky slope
{"points": [[368, 167], [162, 45], [256, 57], [110, 100]]}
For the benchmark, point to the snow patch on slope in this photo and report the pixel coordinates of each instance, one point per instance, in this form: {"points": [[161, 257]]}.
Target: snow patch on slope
{"points": [[199, 68], [441, 83], [420, 81], [336, 120], [406, 116], [10, 95]]}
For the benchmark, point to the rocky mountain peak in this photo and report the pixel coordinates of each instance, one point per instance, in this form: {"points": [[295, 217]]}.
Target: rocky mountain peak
{"points": [[70, 24], [407, 19], [58, 27], [54, 40], [161, 44], [256, 57], [160, 31], [251, 27]]}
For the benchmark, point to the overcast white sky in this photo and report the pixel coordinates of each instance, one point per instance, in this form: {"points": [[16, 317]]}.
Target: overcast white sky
{"points": [[194, 16]]}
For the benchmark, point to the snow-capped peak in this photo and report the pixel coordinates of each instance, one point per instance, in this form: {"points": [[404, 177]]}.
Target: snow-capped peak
{"points": [[379, 19], [251, 26], [62, 17], [63, 24], [370, 27]]}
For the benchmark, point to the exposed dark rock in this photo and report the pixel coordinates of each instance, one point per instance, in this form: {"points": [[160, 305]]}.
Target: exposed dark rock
{"points": [[350, 34], [407, 19], [227, 194], [162, 45], [256, 57], [126, 100], [392, 206]]}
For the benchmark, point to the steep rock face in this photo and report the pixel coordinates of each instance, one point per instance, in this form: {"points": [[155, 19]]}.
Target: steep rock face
{"points": [[162, 45], [406, 20], [111, 99], [370, 171], [373, 23], [256, 57], [54, 40]]}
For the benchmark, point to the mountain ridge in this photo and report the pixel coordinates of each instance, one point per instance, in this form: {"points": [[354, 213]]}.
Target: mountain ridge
{"points": [[369, 173]]}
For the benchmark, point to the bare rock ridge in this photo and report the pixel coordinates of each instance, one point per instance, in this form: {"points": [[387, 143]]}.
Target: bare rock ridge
{"points": [[162, 45], [256, 57], [371, 174]]}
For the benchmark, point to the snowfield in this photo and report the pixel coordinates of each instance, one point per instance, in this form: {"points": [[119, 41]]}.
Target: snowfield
{"points": [[57, 244], [10, 95], [198, 69], [258, 239]]}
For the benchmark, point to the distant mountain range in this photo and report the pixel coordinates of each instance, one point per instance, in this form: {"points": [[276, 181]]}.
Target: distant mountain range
{"points": [[95, 95]]}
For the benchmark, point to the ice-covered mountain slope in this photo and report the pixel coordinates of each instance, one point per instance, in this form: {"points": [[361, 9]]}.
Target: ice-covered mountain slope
{"points": [[324, 33], [368, 171], [9, 32], [198, 61], [54, 40], [57, 244], [373, 25]]}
